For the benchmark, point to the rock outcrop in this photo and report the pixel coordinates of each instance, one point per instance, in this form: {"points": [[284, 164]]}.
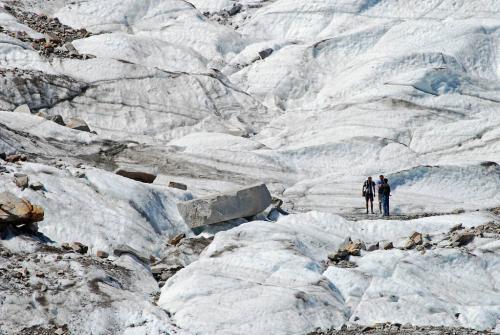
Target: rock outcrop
{"points": [[223, 207]]}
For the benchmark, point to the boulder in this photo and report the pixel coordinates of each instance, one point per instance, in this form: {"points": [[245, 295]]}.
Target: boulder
{"points": [[180, 186], [22, 109], [414, 240], [227, 206], [77, 124], [18, 211], [21, 180], [135, 174]]}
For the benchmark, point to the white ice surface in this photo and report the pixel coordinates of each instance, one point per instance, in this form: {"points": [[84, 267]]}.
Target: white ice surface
{"points": [[266, 277], [352, 88]]}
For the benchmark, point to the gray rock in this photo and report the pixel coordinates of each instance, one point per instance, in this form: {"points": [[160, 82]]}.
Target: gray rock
{"points": [[78, 124], [235, 9], [22, 109], [223, 207], [21, 180], [372, 246], [265, 53]]}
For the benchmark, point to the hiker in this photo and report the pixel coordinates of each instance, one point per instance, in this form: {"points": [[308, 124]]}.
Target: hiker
{"points": [[386, 193], [380, 182], [369, 192]]}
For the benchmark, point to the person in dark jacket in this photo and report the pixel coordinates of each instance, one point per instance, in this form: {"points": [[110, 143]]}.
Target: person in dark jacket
{"points": [[386, 193], [380, 182], [369, 192]]}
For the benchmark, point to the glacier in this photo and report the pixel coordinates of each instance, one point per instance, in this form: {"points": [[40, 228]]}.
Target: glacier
{"points": [[309, 97]]}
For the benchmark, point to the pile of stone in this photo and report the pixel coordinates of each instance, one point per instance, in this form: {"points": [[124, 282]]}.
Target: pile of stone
{"points": [[180, 253], [44, 276], [459, 236], [54, 330], [398, 329], [349, 248], [223, 16], [341, 258], [58, 37], [418, 241], [14, 158]]}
